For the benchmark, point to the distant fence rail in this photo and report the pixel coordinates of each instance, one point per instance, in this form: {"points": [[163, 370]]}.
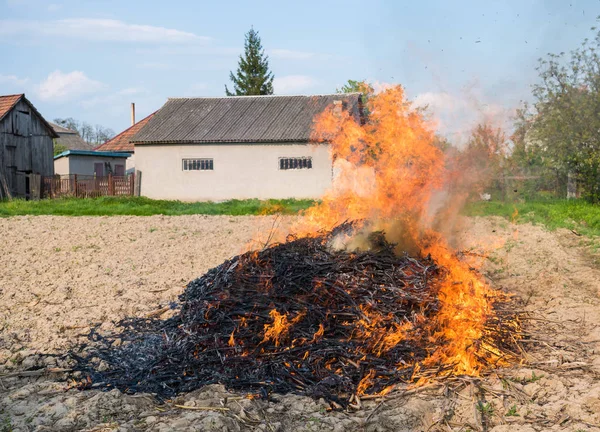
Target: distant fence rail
{"points": [[86, 186]]}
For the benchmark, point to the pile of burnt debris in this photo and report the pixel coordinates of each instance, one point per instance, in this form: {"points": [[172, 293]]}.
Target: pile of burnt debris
{"points": [[298, 317]]}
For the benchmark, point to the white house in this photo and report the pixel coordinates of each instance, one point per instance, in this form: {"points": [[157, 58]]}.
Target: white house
{"points": [[241, 147]]}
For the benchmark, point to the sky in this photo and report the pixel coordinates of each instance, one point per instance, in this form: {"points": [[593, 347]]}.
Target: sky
{"points": [[467, 60]]}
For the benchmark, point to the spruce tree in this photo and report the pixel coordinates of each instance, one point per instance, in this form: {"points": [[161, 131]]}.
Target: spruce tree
{"points": [[253, 76]]}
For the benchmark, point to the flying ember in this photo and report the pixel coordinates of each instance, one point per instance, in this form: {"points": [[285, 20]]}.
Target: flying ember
{"points": [[363, 296]]}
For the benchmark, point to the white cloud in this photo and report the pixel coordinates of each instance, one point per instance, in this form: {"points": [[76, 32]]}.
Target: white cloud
{"points": [[293, 84], [94, 29], [61, 86], [13, 80], [286, 54]]}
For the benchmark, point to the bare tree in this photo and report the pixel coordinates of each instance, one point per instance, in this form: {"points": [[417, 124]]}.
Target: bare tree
{"points": [[94, 135]]}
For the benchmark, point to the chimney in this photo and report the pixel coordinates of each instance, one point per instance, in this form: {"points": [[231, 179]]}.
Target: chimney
{"points": [[132, 113], [337, 108]]}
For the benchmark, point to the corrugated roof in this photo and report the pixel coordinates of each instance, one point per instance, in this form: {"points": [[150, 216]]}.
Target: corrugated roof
{"points": [[122, 142], [73, 141], [59, 129], [70, 138], [239, 119]]}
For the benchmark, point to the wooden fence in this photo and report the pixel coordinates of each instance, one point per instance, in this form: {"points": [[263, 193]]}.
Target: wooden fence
{"points": [[81, 186]]}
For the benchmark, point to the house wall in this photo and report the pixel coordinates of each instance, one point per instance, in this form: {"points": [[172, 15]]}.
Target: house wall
{"points": [[130, 165], [240, 171], [84, 165], [61, 165], [26, 147]]}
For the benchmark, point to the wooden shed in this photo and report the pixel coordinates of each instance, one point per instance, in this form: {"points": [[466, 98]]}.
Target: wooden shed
{"points": [[26, 147]]}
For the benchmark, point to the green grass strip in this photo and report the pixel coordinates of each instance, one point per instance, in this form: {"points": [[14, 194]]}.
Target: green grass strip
{"points": [[577, 215], [140, 206]]}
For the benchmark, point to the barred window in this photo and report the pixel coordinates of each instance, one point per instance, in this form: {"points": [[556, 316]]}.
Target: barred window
{"points": [[295, 163], [197, 164]]}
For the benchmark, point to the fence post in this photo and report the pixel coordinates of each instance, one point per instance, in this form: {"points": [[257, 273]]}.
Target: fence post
{"points": [[76, 185], [132, 184], [111, 185], [138, 183]]}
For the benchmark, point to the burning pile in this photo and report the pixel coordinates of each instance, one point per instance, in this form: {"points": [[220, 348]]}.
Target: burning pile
{"points": [[295, 317], [393, 305]]}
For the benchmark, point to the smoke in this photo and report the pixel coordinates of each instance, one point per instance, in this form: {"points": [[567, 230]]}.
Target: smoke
{"points": [[411, 191], [456, 114]]}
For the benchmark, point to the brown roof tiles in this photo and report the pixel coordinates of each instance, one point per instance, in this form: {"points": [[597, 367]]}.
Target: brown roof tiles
{"points": [[121, 142], [7, 102]]}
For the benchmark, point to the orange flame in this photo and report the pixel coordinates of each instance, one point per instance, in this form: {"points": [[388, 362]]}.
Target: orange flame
{"points": [[386, 172], [280, 326], [365, 382], [319, 333]]}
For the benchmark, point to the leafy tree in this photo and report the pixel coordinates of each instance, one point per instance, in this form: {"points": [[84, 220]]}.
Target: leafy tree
{"points": [[253, 76], [526, 158], [59, 148], [482, 162], [489, 142], [353, 86], [564, 120], [363, 87]]}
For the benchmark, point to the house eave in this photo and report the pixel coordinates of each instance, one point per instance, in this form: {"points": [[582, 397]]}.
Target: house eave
{"points": [[241, 142]]}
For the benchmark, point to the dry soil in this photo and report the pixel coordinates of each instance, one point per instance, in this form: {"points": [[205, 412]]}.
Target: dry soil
{"points": [[59, 276]]}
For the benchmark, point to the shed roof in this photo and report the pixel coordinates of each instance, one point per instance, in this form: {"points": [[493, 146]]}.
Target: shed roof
{"points": [[8, 102], [70, 138], [122, 142], [250, 119], [61, 130], [91, 153]]}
